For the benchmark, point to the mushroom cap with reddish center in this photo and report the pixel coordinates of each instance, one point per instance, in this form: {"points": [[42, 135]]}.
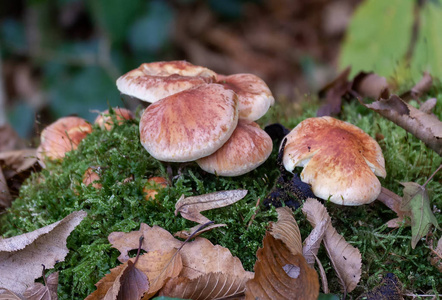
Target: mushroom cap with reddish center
{"points": [[248, 147], [190, 124], [254, 96], [153, 81], [340, 160], [62, 136], [105, 121]]}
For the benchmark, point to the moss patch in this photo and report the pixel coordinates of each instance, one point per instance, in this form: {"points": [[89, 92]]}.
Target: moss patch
{"points": [[120, 205]]}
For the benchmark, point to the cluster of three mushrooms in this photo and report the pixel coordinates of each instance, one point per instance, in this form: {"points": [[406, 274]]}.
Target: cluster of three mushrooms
{"points": [[198, 115]]}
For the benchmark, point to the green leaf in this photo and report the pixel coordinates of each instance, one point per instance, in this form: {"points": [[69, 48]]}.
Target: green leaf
{"points": [[327, 297], [417, 203]]}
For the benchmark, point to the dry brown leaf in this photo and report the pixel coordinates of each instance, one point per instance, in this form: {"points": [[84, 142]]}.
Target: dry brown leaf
{"points": [[428, 106], [190, 207], [436, 257], [371, 85], [423, 86], [184, 234], [393, 202], [6, 294], [5, 195], [9, 139], [346, 259], [281, 275], [313, 241], [207, 286], [18, 160], [21, 256], [286, 229], [334, 91], [426, 127], [39, 291]]}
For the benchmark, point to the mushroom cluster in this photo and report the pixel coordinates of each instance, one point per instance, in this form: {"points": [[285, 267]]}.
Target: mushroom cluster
{"points": [[198, 115], [340, 160]]}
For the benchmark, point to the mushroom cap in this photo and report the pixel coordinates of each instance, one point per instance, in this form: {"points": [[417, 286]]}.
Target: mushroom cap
{"points": [[105, 121], [340, 160], [153, 81], [248, 147], [190, 124], [62, 136], [254, 96]]}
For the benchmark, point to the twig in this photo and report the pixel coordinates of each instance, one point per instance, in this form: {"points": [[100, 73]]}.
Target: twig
{"points": [[431, 177], [254, 214], [418, 4]]}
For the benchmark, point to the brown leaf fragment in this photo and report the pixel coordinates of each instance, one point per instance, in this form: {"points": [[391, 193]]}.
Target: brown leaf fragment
{"points": [[436, 257], [423, 86], [346, 259], [184, 234], [428, 106], [6, 294], [393, 202], [5, 195], [9, 139], [207, 286], [334, 91], [18, 160], [271, 281], [286, 229], [39, 291], [371, 85], [324, 280], [21, 256], [190, 207], [424, 126], [390, 288]]}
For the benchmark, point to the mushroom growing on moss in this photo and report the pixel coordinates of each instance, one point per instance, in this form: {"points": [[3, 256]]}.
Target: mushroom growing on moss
{"points": [[60, 137], [340, 160], [105, 121]]}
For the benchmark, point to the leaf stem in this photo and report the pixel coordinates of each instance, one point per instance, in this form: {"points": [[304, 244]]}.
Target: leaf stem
{"points": [[431, 177]]}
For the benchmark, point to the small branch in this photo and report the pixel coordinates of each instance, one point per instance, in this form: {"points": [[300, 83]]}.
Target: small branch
{"points": [[254, 214], [431, 177], [414, 30]]}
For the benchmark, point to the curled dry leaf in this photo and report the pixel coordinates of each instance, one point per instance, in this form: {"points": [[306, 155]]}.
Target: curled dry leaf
{"points": [[313, 241], [21, 256], [346, 259], [6, 294], [184, 234], [436, 257], [416, 205], [207, 286], [371, 85], [18, 160], [426, 127], [423, 86], [5, 195], [281, 275], [286, 229], [39, 291], [393, 202], [190, 207]]}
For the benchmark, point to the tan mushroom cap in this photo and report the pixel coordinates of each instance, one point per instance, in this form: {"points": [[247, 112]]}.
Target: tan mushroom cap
{"points": [[62, 136], [254, 96], [105, 121], [153, 81], [189, 125], [340, 160], [248, 147]]}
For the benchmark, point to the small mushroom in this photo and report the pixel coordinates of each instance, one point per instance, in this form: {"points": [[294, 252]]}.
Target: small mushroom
{"points": [[91, 177], [154, 185], [60, 137], [151, 82], [254, 96], [340, 160], [190, 124], [248, 147], [105, 121]]}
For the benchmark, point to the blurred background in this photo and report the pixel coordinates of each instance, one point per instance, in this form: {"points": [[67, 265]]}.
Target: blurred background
{"points": [[62, 57]]}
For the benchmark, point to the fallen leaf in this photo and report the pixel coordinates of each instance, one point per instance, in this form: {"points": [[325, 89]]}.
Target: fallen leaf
{"points": [[334, 91], [428, 106], [286, 229], [6, 294], [9, 139], [281, 275], [423, 86], [346, 259], [371, 85], [436, 257], [313, 241], [207, 286], [39, 291], [21, 256], [5, 195], [190, 207], [184, 234], [18, 160], [426, 127], [416, 204], [393, 202]]}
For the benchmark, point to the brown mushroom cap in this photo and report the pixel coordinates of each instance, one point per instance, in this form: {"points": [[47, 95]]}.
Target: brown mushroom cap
{"points": [[340, 160], [248, 147], [105, 121], [189, 125], [91, 177], [153, 186], [62, 136], [254, 96], [153, 81]]}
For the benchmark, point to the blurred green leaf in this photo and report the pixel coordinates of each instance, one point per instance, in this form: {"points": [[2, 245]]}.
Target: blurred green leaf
{"points": [[153, 30], [13, 35], [327, 297], [379, 35]]}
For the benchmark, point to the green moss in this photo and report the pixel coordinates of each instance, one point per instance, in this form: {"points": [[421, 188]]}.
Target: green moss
{"points": [[120, 205]]}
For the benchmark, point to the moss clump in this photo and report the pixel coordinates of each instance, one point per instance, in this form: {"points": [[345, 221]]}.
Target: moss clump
{"points": [[120, 205]]}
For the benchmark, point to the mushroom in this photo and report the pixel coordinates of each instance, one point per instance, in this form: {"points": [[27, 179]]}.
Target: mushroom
{"points": [[105, 121], [254, 96], [91, 177], [190, 124], [153, 186], [60, 137], [248, 147], [340, 160], [151, 82]]}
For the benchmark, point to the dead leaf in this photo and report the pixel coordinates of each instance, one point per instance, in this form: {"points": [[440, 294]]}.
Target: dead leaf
{"points": [[5, 195], [371, 85], [436, 258], [393, 202], [190, 207], [9, 139], [426, 127], [272, 281], [416, 205], [423, 86], [286, 229], [6, 294], [18, 160], [207, 286], [21, 256], [39, 291], [184, 234], [346, 259], [313, 241], [334, 91], [428, 106]]}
